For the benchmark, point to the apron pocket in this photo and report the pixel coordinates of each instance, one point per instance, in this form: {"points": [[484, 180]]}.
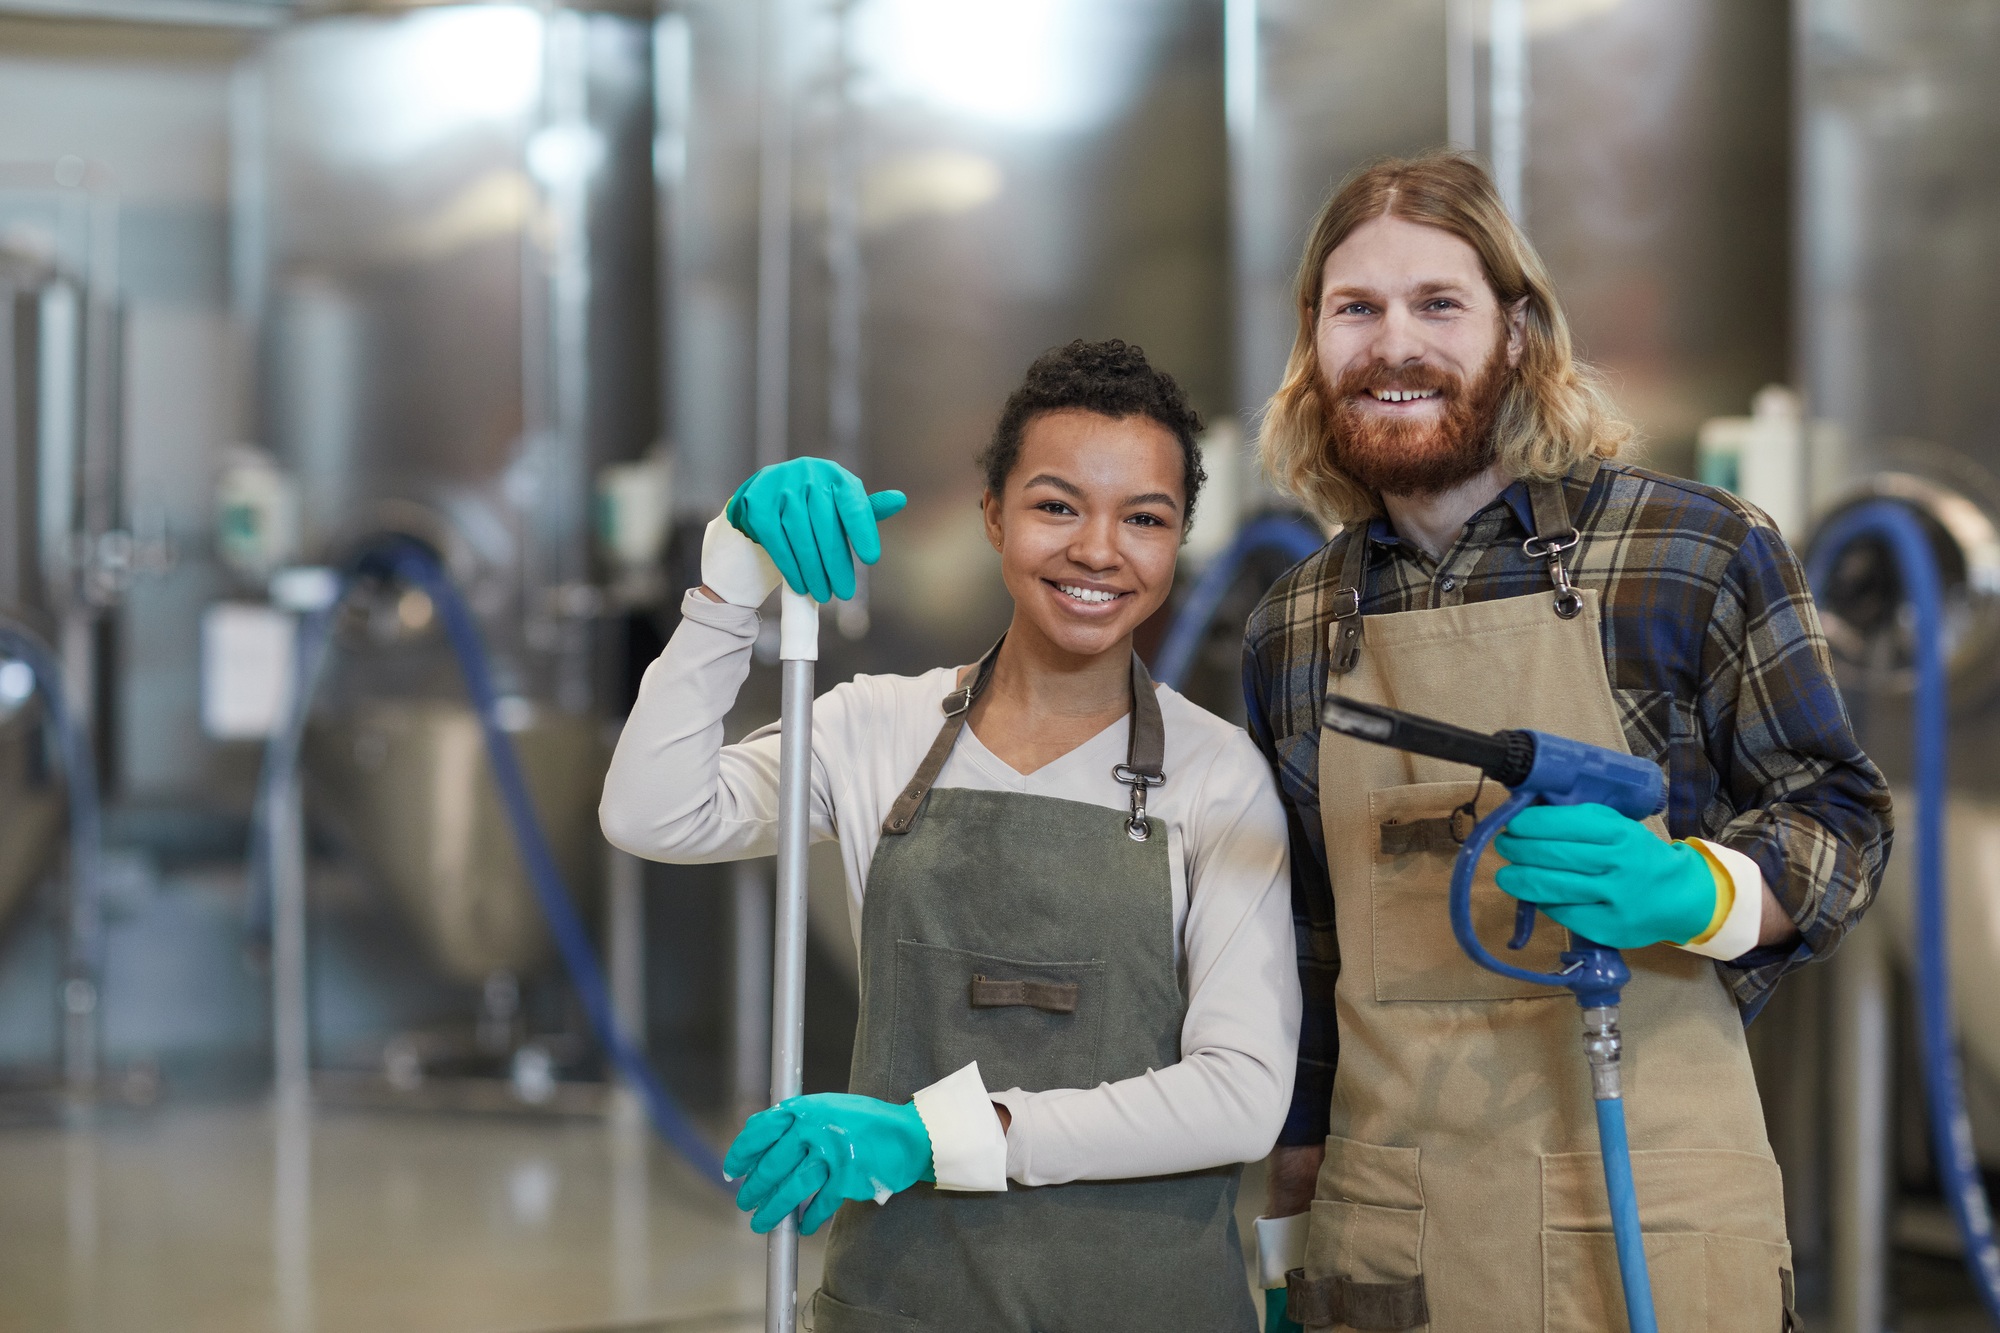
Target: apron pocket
{"points": [[1029, 1025], [1714, 1230], [1365, 1245], [836, 1316], [1415, 954]]}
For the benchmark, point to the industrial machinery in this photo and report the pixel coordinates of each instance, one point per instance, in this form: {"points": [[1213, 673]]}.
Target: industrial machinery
{"points": [[65, 554], [450, 219]]}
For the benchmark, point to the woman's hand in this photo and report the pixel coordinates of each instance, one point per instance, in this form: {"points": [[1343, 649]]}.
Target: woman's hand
{"points": [[813, 517], [828, 1147]]}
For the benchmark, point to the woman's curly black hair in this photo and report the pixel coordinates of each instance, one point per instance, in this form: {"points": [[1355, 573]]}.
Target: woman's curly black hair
{"points": [[1111, 377]]}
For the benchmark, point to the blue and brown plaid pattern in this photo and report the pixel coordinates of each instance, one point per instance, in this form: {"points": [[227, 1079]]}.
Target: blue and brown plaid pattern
{"points": [[1719, 670]]}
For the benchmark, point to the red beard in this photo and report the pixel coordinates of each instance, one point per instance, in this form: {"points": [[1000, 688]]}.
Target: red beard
{"points": [[1398, 457]]}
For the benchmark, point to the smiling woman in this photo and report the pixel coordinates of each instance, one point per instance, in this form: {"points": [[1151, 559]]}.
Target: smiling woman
{"points": [[1069, 888]]}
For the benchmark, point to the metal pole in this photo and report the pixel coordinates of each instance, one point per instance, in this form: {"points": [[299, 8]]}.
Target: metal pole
{"points": [[625, 888], [798, 648]]}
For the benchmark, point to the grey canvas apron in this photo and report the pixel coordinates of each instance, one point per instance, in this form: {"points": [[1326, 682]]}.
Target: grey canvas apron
{"points": [[1035, 936], [1462, 1188]]}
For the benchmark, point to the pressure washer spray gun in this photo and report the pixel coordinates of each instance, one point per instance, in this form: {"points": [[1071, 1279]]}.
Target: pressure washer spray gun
{"points": [[1537, 767]]}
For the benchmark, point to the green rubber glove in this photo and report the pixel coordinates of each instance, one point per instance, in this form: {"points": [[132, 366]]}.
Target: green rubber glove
{"points": [[807, 513], [1275, 1320], [1607, 877], [828, 1147]]}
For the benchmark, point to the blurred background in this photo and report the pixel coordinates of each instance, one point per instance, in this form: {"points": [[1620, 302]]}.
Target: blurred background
{"points": [[285, 1040]]}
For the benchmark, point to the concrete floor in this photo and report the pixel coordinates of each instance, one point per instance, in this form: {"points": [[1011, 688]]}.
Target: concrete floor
{"points": [[201, 1219], [236, 1219]]}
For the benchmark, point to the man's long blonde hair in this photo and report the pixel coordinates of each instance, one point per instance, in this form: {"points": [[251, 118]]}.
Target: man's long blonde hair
{"points": [[1556, 412]]}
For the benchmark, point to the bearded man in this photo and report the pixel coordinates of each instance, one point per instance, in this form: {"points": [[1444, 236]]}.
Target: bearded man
{"points": [[1498, 567]]}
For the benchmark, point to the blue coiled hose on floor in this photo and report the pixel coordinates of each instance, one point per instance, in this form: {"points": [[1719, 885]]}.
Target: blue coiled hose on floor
{"points": [[84, 961], [415, 565], [1951, 1132]]}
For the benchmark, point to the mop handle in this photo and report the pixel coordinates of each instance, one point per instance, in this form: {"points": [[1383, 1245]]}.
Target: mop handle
{"points": [[798, 648]]}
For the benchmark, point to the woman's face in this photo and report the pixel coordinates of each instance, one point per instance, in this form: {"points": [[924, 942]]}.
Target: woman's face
{"points": [[1088, 526]]}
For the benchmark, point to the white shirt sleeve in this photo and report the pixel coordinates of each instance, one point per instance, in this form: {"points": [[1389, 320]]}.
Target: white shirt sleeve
{"points": [[674, 791], [968, 1151], [1226, 1100]]}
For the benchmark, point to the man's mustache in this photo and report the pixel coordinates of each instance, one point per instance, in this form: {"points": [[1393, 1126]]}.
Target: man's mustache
{"points": [[1357, 381]]}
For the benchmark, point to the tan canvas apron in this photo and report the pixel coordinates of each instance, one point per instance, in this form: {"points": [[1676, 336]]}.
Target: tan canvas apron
{"points": [[1462, 1188]]}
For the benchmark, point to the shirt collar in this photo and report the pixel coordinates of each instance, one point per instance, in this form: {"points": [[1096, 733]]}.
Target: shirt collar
{"points": [[1383, 533]]}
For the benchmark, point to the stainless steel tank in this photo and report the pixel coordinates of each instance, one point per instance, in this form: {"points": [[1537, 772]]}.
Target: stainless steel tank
{"points": [[62, 556], [1643, 146], [882, 213], [459, 333]]}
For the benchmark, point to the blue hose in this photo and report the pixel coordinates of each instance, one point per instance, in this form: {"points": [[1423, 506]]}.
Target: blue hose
{"points": [[416, 565], [1624, 1198], [1951, 1131], [1291, 537], [85, 820]]}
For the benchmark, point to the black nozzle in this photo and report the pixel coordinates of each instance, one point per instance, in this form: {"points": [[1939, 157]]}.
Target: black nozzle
{"points": [[1504, 756]]}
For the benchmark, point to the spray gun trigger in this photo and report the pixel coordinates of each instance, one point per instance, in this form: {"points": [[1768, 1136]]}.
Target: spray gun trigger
{"points": [[1524, 925]]}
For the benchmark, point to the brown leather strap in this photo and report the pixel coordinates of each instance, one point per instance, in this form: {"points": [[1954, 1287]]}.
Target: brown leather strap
{"points": [[1327, 1301], [1444, 834], [1344, 635], [1054, 997], [957, 705], [1145, 750]]}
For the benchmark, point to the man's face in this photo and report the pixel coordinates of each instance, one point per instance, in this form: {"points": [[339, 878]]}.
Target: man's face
{"points": [[1415, 351]]}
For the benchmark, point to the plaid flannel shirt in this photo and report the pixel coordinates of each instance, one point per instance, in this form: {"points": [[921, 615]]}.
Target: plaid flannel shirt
{"points": [[1719, 670]]}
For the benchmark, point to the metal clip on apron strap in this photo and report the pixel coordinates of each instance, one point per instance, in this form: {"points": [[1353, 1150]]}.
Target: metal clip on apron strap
{"points": [[1554, 534], [1329, 1301], [1145, 752]]}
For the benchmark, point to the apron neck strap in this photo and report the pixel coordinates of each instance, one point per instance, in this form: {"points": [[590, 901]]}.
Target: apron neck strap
{"points": [[1554, 534], [1346, 632], [1145, 750]]}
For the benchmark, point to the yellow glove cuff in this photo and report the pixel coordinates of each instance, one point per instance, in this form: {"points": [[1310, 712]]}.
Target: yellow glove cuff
{"points": [[1725, 894]]}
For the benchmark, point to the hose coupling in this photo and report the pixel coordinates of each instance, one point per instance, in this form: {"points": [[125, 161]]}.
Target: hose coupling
{"points": [[1603, 1047]]}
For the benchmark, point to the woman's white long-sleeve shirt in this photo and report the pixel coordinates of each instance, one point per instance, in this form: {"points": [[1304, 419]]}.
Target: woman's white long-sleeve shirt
{"points": [[675, 792]]}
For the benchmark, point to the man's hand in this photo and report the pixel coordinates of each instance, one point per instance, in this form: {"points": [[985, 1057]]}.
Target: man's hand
{"points": [[1607, 877], [1291, 1177]]}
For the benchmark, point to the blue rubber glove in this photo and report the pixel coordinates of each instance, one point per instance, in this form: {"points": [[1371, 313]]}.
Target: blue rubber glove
{"points": [[1607, 877], [828, 1147], [807, 513], [1275, 1320]]}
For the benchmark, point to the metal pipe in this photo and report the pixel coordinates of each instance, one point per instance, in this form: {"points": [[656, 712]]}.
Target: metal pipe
{"points": [[774, 242], [1860, 1083], [788, 992], [290, 1037], [1507, 97], [154, 13], [626, 945], [750, 931]]}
